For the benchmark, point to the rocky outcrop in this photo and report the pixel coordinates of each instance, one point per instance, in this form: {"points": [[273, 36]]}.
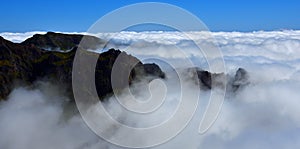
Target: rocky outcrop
{"points": [[207, 80], [28, 62], [16, 63], [59, 42], [128, 68], [240, 79]]}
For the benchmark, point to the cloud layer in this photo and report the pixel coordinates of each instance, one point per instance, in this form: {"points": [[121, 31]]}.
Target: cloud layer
{"points": [[264, 114]]}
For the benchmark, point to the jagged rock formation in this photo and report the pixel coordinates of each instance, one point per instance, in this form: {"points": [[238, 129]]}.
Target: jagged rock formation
{"points": [[208, 80], [28, 62], [129, 68], [240, 79]]}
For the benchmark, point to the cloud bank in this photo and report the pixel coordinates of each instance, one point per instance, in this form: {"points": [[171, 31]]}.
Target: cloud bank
{"points": [[19, 37], [264, 114]]}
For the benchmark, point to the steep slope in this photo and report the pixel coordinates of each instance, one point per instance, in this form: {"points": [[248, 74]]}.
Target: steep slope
{"points": [[27, 62]]}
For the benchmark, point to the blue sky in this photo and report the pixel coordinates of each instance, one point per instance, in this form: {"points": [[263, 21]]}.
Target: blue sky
{"points": [[79, 15]]}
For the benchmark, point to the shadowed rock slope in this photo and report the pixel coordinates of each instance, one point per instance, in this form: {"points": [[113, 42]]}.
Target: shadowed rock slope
{"points": [[29, 61]]}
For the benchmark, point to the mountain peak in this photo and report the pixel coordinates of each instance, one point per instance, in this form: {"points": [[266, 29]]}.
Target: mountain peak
{"points": [[28, 62], [58, 41]]}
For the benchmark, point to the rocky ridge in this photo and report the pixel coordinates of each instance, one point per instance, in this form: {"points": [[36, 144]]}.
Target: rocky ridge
{"points": [[31, 60], [51, 57]]}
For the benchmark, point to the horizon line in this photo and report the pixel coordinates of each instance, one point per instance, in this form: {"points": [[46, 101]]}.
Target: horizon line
{"points": [[145, 31]]}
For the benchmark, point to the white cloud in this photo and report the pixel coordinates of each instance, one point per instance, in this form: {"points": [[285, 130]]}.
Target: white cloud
{"points": [[264, 114], [37, 119], [19, 37]]}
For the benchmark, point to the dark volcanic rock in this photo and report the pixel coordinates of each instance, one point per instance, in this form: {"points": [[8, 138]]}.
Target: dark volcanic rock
{"points": [[153, 70], [128, 68], [240, 79], [16, 63], [208, 80], [204, 78], [57, 41], [27, 62]]}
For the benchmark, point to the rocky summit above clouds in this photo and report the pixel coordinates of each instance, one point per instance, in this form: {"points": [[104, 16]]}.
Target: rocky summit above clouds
{"points": [[51, 56], [58, 41], [207, 80], [28, 61]]}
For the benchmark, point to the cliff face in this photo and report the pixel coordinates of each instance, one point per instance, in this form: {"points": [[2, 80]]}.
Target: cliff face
{"points": [[124, 77], [16, 63], [29, 61]]}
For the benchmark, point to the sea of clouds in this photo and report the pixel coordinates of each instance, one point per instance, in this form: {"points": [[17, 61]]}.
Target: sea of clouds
{"points": [[264, 114]]}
